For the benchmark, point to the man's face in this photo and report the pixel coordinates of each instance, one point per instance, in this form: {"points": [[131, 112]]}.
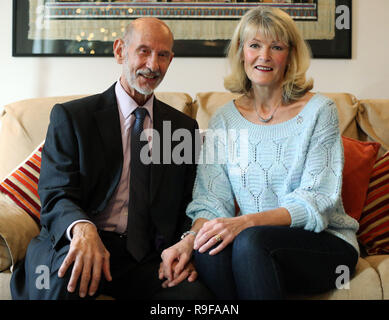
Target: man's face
{"points": [[147, 57]]}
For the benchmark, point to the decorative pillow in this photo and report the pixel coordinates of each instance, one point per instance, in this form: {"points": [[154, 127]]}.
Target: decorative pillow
{"points": [[18, 196], [359, 159], [22, 184], [373, 231]]}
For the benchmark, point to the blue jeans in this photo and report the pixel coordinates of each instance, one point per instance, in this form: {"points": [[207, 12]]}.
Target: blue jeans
{"points": [[268, 262]]}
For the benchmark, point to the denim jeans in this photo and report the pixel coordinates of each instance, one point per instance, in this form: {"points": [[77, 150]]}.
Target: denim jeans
{"points": [[269, 262]]}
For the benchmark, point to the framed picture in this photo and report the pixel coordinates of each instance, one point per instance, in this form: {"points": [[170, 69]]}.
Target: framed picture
{"points": [[201, 29]]}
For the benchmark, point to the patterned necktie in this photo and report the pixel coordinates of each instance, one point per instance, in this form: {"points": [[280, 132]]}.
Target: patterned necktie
{"points": [[138, 226]]}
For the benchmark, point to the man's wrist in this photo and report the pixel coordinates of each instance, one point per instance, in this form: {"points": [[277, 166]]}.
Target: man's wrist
{"points": [[70, 229]]}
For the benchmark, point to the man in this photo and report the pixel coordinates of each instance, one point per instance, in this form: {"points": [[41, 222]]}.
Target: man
{"points": [[106, 215]]}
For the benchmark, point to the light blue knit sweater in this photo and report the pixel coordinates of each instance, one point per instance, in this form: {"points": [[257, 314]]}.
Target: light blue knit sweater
{"points": [[296, 165]]}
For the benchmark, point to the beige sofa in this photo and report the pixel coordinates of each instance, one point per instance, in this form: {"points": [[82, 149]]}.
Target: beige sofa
{"points": [[24, 125]]}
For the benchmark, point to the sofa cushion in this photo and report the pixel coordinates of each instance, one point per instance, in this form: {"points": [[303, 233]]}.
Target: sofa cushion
{"points": [[5, 256], [16, 230], [24, 127], [381, 264], [373, 118], [178, 100], [206, 103], [365, 284], [5, 291], [373, 231], [359, 160], [22, 184], [347, 106]]}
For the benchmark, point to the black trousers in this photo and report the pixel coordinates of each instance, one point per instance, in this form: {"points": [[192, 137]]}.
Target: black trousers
{"points": [[130, 279]]}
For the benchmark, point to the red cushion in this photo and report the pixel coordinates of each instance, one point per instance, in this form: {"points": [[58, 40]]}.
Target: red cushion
{"points": [[359, 160]]}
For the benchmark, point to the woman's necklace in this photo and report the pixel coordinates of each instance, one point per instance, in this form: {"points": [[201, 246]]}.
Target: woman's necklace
{"points": [[266, 120]]}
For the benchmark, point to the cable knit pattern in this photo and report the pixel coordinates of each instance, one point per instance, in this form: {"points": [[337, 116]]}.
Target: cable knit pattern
{"points": [[296, 165]]}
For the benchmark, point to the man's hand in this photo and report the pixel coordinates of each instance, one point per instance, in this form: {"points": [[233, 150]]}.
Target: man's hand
{"points": [[176, 265], [189, 272], [90, 257]]}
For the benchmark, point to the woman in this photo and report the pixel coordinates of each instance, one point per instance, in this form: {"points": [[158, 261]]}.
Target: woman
{"points": [[292, 233]]}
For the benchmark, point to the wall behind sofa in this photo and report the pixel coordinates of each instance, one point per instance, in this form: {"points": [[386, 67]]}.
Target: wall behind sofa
{"points": [[366, 75]]}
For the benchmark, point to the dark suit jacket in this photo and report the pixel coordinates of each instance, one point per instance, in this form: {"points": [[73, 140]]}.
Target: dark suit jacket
{"points": [[82, 161]]}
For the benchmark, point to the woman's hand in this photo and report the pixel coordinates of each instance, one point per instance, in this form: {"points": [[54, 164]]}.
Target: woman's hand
{"points": [[219, 230]]}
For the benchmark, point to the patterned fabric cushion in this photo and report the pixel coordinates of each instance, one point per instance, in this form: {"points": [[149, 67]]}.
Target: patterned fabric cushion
{"points": [[373, 232], [22, 184]]}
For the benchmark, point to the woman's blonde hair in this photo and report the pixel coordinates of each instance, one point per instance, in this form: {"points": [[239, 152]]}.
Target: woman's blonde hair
{"points": [[275, 24]]}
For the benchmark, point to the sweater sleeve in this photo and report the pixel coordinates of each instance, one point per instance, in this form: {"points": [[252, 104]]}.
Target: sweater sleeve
{"points": [[212, 194], [319, 192]]}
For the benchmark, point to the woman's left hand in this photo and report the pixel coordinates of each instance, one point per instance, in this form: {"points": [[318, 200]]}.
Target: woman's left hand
{"points": [[219, 230]]}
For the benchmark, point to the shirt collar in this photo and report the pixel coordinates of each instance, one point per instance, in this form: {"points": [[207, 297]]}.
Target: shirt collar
{"points": [[127, 105]]}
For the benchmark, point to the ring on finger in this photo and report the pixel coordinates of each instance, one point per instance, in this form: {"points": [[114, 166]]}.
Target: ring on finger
{"points": [[218, 237]]}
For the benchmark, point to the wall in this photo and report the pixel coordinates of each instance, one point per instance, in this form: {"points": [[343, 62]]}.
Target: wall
{"points": [[366, 75]]}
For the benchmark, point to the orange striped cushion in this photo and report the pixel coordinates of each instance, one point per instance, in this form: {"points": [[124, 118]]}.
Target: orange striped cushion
{"points": [[373, 231], [22, 184]]}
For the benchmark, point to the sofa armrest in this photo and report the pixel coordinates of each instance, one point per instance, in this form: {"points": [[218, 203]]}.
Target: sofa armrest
{"points": [[17, 229]]}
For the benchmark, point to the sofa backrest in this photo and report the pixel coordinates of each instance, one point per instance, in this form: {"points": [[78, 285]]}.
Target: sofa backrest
{"points": [[24, 123]]}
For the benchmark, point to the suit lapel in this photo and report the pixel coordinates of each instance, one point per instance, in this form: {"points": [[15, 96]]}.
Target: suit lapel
{"points": [[108, 123]]}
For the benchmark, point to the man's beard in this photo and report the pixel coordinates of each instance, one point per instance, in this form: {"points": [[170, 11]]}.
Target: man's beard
{"points": [[131, 78]]}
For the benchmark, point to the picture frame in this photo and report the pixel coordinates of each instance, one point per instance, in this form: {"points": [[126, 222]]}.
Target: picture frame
{"points": [[44, 27]]}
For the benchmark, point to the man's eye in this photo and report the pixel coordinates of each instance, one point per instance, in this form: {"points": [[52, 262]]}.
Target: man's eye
{"points": [[143, 51], [164, 55]]}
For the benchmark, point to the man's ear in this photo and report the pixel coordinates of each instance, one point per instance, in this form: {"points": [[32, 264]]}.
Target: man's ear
{"points": [[171, 57], [118, 51]]}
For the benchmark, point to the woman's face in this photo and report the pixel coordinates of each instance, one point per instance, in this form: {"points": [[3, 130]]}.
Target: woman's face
{"points": [[265, 61]]}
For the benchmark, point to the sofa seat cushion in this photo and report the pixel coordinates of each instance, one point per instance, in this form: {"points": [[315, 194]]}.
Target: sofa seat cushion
{"points": [[5, 291], [381, 264], [365, 284]]}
